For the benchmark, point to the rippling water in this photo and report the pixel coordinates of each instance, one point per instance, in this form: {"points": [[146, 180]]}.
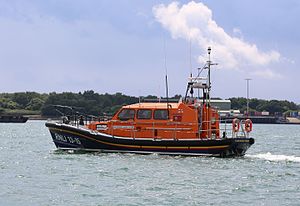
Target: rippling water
{"points": [[32, 172]]}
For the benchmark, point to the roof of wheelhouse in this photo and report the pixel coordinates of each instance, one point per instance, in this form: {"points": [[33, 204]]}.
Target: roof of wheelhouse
{"points": [[151, 105]]}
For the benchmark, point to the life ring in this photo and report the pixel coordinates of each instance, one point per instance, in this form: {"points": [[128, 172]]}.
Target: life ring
{"points": [[235, 125], [248, 125]]}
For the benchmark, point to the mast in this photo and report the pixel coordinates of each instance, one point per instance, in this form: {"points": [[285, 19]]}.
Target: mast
{"points": [[204, 83], [208, 93], [166, 69], [209, 64], [209, 83]]}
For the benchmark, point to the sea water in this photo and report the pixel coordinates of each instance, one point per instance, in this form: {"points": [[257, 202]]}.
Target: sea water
{"points": [[33, 172]]}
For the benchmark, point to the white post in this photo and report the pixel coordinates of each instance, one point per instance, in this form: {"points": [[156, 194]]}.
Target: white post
{"points": [[248, 79]]}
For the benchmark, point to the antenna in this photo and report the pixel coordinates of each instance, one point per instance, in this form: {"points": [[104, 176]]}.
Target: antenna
{"points": [[165, 55], [167, 91], [167, 87], [190, 55]]}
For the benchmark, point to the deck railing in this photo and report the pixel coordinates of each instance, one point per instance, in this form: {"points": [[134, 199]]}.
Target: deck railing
{"points": [[225, 128]]}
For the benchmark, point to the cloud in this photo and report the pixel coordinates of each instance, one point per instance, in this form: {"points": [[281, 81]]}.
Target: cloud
{"points": [[193, 22], [267, 74]]}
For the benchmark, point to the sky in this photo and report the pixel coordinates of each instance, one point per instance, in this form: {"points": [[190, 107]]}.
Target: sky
{"points": [[128, 46]]}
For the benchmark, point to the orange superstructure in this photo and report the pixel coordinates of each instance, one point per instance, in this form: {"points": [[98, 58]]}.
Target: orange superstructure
{"points": [[162, 120]]}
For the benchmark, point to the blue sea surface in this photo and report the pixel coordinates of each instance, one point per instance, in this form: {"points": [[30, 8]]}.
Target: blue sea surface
{"points": [[33, 172]]}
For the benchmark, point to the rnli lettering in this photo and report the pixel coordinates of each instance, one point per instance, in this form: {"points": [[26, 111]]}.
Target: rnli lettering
{"points": [[63, 138], [101, 126], [123, 127]]}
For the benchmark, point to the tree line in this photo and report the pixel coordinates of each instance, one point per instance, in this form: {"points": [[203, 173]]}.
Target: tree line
{"points": [[22, 102], [260, 105], [92, 103]]}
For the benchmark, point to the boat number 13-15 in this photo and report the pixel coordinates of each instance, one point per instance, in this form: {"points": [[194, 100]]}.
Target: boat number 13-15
{"points": [[64, 138]]}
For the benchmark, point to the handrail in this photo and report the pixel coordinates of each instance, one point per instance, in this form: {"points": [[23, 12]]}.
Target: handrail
{"points": [[175, 127]]}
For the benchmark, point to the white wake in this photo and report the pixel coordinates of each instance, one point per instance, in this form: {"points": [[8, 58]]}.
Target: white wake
{"points": [[272, 157]]}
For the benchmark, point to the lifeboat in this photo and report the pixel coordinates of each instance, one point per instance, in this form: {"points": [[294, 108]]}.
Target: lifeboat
{"points": [[190, 126]]}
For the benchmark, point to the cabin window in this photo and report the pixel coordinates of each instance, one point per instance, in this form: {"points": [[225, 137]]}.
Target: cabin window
{"points": [[126, 114], [161, 114], [144, 114]]}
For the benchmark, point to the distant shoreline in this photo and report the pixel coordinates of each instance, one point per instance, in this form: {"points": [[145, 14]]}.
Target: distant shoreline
{"points": [[38, 106]]}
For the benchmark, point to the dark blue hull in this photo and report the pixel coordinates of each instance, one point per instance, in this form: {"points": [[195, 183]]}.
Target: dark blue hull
{"points": [[71, 137]]}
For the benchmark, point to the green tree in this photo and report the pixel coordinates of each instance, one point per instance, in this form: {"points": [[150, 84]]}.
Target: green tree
{"points": [[35, 104]]}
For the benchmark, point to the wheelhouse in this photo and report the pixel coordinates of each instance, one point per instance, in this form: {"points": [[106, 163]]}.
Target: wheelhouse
{"points": [[162, 121]]}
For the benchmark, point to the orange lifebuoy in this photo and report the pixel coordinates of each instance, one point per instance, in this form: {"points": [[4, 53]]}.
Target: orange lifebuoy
{"points": [[248, 125], [235, 125]]}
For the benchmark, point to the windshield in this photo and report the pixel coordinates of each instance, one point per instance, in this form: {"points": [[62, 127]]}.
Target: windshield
{"points": [[126, 114]]}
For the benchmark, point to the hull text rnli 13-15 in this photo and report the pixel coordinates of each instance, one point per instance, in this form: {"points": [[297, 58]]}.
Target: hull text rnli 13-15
{"points": [[190, 126]]}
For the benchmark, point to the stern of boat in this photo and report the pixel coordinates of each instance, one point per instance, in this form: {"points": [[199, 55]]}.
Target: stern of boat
{"points": [[238, 147]]}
